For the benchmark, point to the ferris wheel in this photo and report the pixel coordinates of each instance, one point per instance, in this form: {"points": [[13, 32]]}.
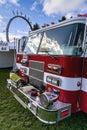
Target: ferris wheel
{"points": [[17, 15]]}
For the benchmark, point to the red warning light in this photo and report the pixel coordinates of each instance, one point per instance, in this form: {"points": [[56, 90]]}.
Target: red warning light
{"points": [[64, 113], [82, 15]]}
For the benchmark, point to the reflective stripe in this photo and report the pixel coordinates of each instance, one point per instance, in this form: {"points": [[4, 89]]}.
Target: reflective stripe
{"points": [[66, 83], [19, 66], [84, 85]]}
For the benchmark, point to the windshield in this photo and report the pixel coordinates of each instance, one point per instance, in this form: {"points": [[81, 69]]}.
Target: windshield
{"points": [[33, 43], [64, 40]]}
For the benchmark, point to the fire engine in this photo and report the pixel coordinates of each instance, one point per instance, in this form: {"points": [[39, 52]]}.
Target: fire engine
{"points": [[50, 76]]}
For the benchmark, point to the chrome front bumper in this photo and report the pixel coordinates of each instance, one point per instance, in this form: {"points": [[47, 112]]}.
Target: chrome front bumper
{"points": [[51, 115]]}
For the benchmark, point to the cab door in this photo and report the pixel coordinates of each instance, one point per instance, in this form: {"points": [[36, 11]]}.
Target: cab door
{"points": [[83, 94]]}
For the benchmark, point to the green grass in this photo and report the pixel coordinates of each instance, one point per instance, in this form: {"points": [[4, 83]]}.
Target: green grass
{"points": [[14, 117]]}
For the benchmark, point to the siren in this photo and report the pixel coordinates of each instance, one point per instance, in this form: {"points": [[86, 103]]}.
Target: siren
{"points": [[52, 23], [45, 25]]}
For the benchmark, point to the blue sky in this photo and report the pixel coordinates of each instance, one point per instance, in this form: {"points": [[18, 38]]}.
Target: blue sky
{"points": [[38, 11]]}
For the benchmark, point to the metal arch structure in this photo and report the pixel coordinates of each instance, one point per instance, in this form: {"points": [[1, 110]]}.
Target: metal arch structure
{"points": [[16, 16]]}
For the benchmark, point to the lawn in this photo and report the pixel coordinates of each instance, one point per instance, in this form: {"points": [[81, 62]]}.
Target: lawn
{"points": [[14, 117]]}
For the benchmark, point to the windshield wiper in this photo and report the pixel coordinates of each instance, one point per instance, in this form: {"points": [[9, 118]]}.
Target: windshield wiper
{"points": [[47, 51]]}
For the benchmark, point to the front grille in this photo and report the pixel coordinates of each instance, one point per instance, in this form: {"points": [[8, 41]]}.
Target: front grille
{"points": [[36, 73], [37, 65]]}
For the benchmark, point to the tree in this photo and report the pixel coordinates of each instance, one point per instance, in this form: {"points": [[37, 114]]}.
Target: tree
{"points": [[62, 19], [36, 26]]}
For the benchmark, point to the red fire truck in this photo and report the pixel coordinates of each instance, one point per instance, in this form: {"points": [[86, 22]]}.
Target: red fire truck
{"points": [[50, 76]]}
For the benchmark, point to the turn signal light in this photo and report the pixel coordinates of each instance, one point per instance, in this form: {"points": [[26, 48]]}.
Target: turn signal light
{"points": [[55, 68]]}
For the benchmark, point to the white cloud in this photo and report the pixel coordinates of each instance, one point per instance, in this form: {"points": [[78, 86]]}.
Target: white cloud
{"points": [[3, 36], [21, 32], [51, 7], [34, 5], [1, 18], [11, 36], [14, 2], [2, 1], [69, 15]]}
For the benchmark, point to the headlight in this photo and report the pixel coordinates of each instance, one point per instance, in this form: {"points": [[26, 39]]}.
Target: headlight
{"points": [[53, 80]]}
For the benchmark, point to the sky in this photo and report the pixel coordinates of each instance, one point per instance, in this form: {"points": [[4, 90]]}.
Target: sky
{"points": [[38, 11]]}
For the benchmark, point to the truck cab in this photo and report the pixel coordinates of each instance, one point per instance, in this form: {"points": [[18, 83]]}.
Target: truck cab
{"points": [[52, 71]]}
